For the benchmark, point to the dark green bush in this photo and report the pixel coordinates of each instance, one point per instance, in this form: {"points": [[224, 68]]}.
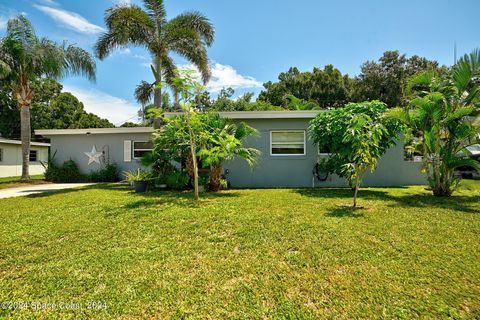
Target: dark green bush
{"points": [[178, 180], [108, 174], [68, 172]]}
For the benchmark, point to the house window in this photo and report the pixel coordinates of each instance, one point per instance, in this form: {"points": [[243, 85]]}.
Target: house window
{"points": [[140, 148], [33, 155], [287, 143], [1, 155]]}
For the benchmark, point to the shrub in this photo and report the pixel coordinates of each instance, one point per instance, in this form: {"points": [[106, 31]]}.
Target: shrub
{"points": [[107, 174], [68, 172], [178, 180]]}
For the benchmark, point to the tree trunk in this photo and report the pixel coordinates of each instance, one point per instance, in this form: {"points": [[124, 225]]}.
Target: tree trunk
{"points": [[355, 195], [195, 172], [215, 176], [26, 138], [189, 166], [157, 95], [176, 103], [194, 157]]}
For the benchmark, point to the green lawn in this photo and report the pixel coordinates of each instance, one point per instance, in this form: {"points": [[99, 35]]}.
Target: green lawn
{"points": [[278, 254], [12, 182]]}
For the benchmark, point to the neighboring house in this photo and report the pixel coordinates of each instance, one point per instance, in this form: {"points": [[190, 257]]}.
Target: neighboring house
{"points": [[11, 157], [287, 160]]}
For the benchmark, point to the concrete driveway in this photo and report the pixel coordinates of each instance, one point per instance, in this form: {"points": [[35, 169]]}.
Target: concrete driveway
{"points": [[40, 188]]}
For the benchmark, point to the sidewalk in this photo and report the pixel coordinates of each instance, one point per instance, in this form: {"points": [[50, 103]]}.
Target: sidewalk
{"points": [[41, 188]]}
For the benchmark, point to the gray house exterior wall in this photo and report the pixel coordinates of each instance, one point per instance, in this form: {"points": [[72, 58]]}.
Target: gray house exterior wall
{"points": [[271, 171], [274, 171], [74, 146]]}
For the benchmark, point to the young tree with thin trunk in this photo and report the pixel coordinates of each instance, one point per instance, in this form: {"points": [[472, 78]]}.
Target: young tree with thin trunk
{"points": [[24, 57], [364, 136], [188, 89], [188, 35]]}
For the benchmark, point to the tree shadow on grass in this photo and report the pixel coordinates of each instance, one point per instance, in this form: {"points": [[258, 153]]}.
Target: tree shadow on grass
{"points": [[342, 211], [461, 203], [47, 193]]}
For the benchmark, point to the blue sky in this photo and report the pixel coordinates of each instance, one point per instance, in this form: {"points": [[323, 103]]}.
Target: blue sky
{"points": [[256, 40]]}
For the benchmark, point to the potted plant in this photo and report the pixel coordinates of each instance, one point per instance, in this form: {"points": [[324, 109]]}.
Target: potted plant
{"points": [[139, 179]]}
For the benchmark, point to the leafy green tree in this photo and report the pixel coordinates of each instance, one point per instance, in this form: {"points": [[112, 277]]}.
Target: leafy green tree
{"points": [[325, 88], [437, 116], [364, 137], [225, 102], [384, 80], [130, 125], [188, 90], [328, 131], [24, 58], [65, 112], [9, 113], [224, 143], [188, 35]]}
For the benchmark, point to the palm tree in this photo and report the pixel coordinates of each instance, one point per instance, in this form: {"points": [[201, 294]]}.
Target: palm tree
{"points": [[437, 116], [143, 95], [24, 58], [188, 34], [225, 142]]}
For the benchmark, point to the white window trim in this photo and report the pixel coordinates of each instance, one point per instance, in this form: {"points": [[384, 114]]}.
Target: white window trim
{"points": [[288, 154], [133, 149]]}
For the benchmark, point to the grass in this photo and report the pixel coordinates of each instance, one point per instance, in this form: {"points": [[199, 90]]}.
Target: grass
{"points": [[13, 182], [243, 254]]}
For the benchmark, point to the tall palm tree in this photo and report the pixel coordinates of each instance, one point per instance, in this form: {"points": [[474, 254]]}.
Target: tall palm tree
{"points": [[24, 58], [437, 117], [188, 34]]}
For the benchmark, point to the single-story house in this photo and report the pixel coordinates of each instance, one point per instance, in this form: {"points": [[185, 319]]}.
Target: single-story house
{"points": [[287, 160], [11, 157]]}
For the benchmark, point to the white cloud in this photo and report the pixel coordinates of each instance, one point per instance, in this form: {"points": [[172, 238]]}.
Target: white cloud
{"points": [[124, 51], [70, 20], [115, 109], [225, 76], [139, 56]]}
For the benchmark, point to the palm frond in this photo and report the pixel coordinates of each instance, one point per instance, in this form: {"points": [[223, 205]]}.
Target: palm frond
{"points": [[462, 74], [20, 29], [169, 69], [127, 24], [196, 21], [187, 43], [144, 92], [5, 69], [459, 113], [421, 81], [79, 62], [156, 10]]}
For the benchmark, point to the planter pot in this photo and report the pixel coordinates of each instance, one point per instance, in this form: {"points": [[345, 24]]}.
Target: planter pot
{"points": [[140, 186]]}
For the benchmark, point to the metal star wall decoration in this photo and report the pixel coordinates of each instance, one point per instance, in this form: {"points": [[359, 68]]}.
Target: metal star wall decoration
{"points": [[93, 156]]}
